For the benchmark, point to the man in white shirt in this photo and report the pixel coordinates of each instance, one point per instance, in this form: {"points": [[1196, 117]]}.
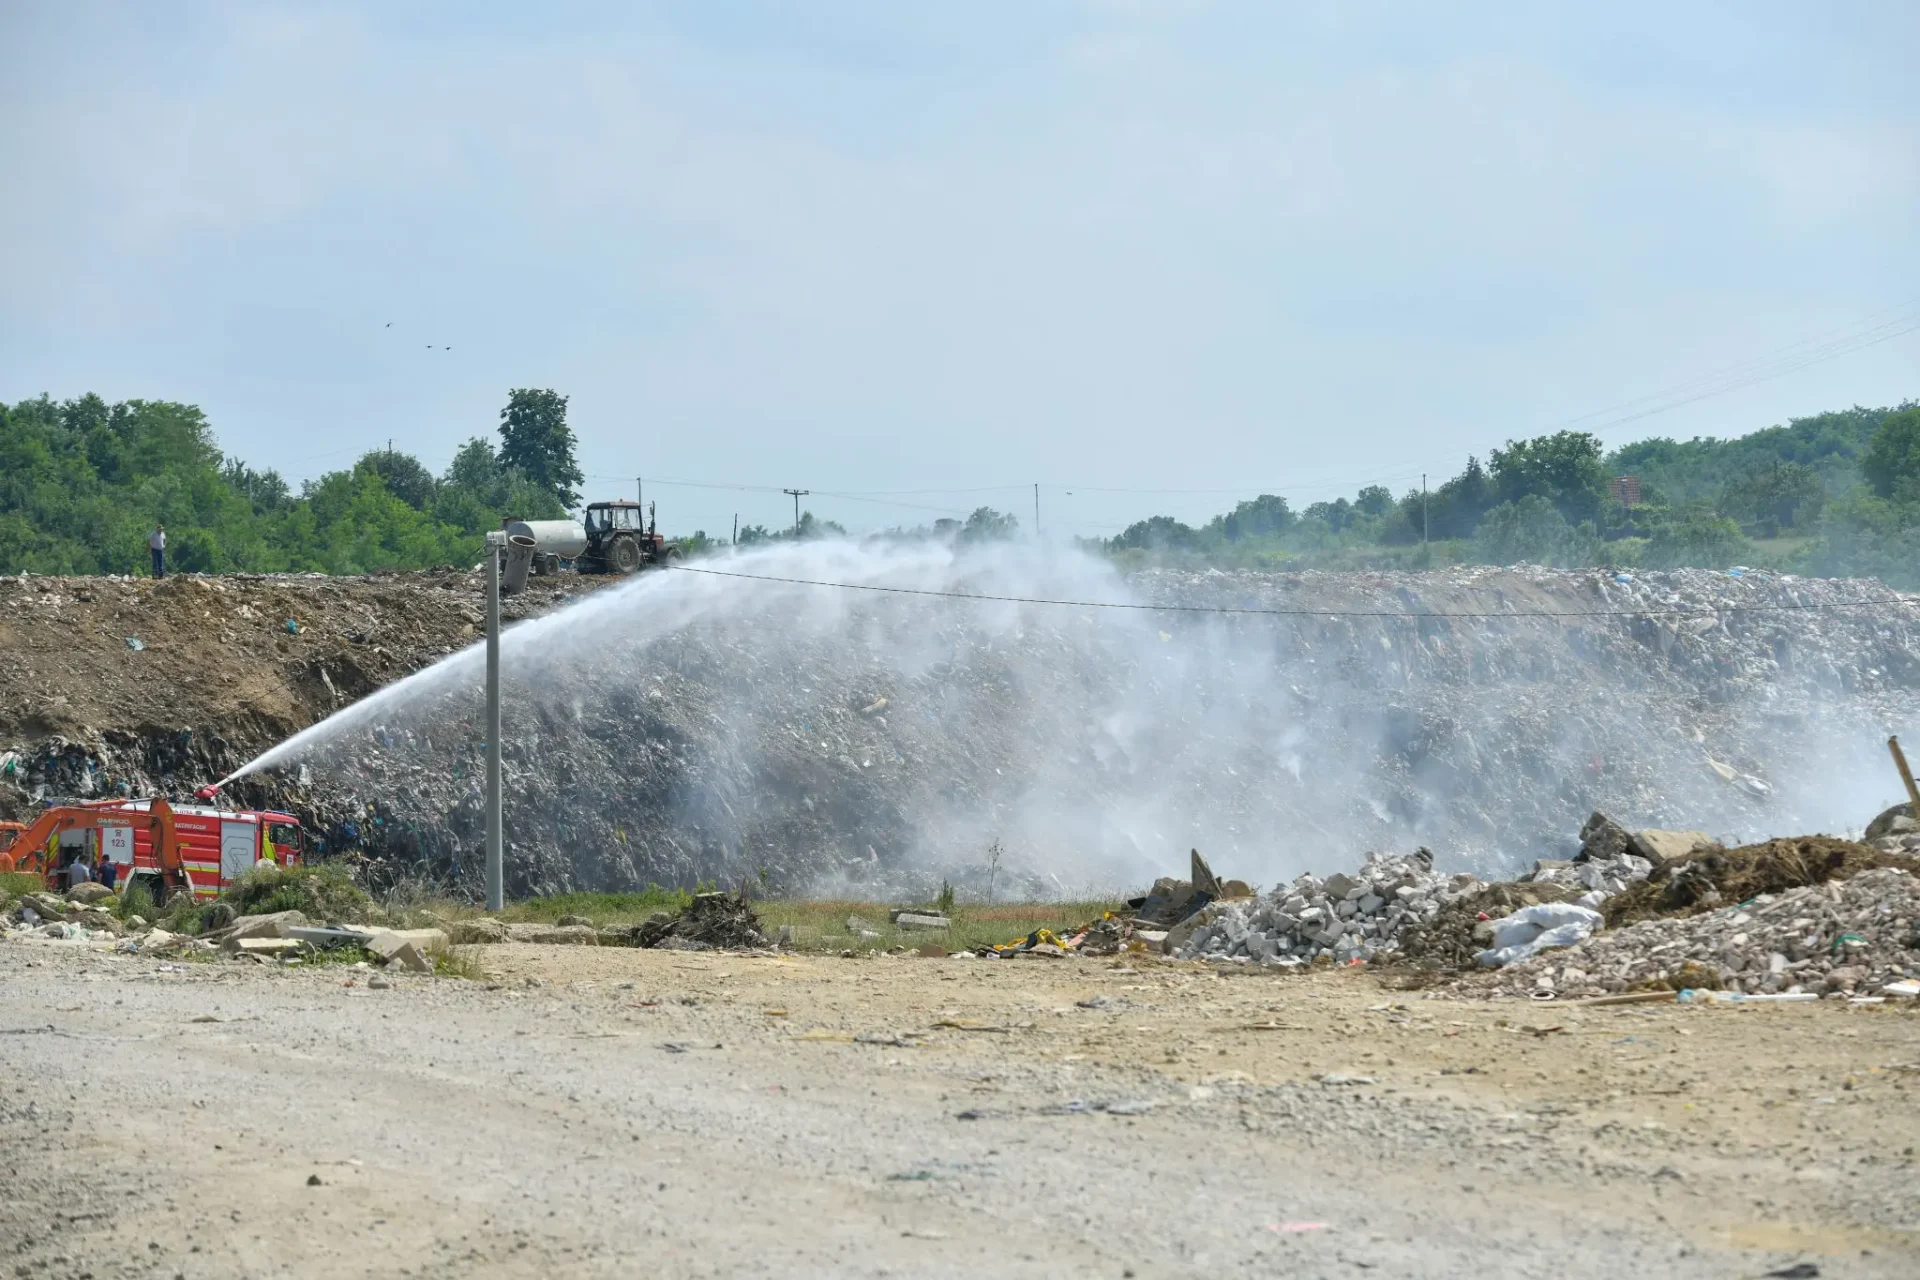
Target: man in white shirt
{"points": [[158, 545]]}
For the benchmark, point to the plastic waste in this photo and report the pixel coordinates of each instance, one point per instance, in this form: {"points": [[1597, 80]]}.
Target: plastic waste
{"points": [[135, 643], [1690, 996], [1531, 930]]}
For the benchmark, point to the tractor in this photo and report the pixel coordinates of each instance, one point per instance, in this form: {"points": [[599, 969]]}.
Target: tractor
{"points": [[618, 541]]}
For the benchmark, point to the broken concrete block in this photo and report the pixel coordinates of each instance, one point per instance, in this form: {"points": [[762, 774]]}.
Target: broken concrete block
{"points": [[484, 930], [921, 920], [46, 905], [408, 948], [267, 926], [1338, 886], [265, 947], [90, 892], [1659, 847]]}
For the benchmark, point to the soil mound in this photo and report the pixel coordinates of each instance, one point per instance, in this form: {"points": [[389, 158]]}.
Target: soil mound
{"points": [[1714, 878]]}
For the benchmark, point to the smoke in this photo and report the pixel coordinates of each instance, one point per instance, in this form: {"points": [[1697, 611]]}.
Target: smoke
{"points": [[692, 726]]}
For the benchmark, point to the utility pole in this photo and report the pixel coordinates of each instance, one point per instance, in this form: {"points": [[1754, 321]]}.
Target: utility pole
{"points": [[797, 495], [640, 491], [736, 530], [496, 859], [1036, 510], [1425, 524]]}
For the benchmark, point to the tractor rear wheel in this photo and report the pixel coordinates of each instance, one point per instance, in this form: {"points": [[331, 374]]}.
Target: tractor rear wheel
{"points": [[624, 555]]}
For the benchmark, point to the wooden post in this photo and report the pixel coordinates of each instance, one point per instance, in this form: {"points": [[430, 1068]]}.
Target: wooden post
{"points": [[1906, 775]]}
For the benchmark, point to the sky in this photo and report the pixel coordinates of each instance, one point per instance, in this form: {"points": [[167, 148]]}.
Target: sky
{"points": [[1152, 255]]}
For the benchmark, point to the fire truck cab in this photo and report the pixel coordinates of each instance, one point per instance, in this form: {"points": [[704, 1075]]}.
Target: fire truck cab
{"points": [[217, 846]]}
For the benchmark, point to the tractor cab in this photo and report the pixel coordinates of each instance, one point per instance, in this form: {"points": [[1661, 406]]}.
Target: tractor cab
{"points": [[604, 518]]}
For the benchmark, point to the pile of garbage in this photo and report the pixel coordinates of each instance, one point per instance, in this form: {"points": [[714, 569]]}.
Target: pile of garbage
{"points": [[1840, 937], [712, 920], [1343, 917], [875, 745]]}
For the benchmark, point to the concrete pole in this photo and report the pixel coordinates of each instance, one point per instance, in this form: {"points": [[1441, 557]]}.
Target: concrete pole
{"points": [[496, 857]]}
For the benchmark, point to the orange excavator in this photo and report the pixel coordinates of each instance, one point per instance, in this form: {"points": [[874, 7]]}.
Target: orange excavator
{"points": [[35, 848]]}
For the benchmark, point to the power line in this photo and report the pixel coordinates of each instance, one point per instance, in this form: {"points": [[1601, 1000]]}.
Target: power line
{"points": [[1684, 612]]}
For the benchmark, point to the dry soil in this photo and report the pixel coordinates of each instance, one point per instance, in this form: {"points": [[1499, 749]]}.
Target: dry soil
{"points": [[592, 1111]]}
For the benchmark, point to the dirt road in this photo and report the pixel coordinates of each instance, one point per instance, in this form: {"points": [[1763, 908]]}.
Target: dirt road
{"points": [[593, 1111]]}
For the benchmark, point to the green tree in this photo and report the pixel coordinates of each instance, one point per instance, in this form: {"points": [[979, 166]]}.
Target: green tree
{"points": [[1891, 463], [988, 525], [403, 475], [1564, 468], [1532, 531], [535, 439], [1700, 540], [1773, 496], [1373, 501], [1156, 533], [1266, 516]]}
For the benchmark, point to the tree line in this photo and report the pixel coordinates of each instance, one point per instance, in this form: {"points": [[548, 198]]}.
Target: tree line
{"points": [[82, 483], [1837, 493]]}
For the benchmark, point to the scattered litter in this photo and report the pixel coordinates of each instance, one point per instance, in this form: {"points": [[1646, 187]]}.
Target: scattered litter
{"points": [[136, 644]]}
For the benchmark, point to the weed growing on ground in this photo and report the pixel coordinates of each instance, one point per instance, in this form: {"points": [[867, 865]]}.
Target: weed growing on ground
{"points": [[601, 908], [13, 884], [459, 962]]}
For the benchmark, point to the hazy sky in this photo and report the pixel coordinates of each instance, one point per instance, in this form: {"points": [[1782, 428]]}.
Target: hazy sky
{"points": [[884, 245]]}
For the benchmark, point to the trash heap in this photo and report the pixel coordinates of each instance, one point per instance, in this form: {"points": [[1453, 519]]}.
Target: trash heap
{"points": [[1841, 937], [1611, 857], [711, 920], [1343, 917], [890, 741]]}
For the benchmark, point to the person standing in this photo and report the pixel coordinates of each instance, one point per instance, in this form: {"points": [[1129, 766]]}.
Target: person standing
{"points": [[107, 873], [77, 873], [157, 544]]}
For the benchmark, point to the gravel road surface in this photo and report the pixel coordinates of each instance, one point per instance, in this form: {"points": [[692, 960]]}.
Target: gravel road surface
{"points": [[589, 1111]]}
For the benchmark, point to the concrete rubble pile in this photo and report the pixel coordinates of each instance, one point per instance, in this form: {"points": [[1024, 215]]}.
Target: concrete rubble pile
{"points": [[1343, 917], [887, 750], [1845, 937]]}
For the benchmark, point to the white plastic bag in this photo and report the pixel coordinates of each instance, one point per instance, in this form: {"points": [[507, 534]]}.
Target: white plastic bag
{"points": [[1532, 930]]}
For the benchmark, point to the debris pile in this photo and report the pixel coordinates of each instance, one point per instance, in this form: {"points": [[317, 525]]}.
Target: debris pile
{"points": [[1714, 877], [1343, 917], [1837, 937], [711, 920], [849, 741]]}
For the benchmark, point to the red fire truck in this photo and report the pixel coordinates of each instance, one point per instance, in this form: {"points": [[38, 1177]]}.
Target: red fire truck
{"points": [[217, 846]]}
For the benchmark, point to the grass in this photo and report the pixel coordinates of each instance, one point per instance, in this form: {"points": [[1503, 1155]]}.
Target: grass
{"points": [[14, 884], [601, 908]]}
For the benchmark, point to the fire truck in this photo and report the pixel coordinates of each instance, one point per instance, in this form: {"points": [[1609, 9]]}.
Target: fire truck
{"points": [[217, 846], [201, 846]]}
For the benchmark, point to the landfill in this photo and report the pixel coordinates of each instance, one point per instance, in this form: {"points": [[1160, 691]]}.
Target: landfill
{"points": [[885, 744]]}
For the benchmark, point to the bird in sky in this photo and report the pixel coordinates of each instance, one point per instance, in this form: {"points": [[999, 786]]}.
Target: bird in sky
{"points": [[389, 324]]}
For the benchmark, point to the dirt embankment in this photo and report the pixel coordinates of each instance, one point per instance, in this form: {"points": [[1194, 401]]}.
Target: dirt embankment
{"points": [[127, 685]]}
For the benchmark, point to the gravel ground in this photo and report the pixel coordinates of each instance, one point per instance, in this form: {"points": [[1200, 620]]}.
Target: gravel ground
{"points": [[716, 1114]]}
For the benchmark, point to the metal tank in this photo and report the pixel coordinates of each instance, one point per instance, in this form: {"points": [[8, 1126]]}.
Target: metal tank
{"points": [[565, 539]]}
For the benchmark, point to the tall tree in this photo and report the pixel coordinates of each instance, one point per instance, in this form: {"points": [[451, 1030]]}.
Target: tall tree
{"points": [[535, 439], [1892, 460], [1565, 468]]}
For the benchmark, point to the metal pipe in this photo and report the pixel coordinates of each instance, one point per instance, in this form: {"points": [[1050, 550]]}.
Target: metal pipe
{"points": [[496, 860]]}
